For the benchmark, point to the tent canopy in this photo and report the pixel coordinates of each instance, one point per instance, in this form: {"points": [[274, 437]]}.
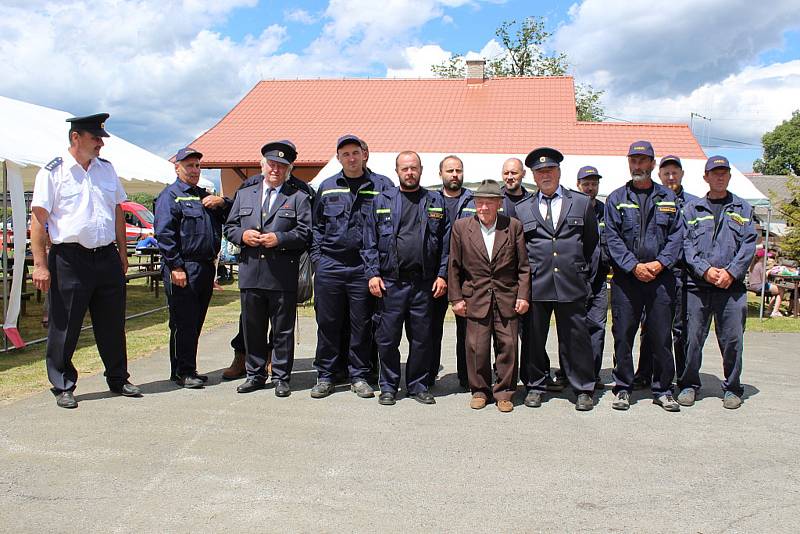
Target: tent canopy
{"points": [[32, 136], [614, 169]]}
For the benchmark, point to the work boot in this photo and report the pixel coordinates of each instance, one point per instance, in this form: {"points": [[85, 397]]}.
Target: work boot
{"points": [[236, 370]]}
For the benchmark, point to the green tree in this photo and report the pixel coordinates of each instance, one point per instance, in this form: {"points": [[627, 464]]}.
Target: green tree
{"points": [[790, 244], [524, 55], [781, 149], [145, 199]]}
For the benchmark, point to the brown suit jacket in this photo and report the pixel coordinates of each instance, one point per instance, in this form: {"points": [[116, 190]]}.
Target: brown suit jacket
{"points": [[473, 277]]}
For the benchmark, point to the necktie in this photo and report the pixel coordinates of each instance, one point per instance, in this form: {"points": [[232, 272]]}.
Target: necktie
{"points": [[265, 206], [549, 217]]}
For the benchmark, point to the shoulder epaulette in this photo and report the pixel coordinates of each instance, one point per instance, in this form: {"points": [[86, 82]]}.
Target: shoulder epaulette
{"points": [[53, 164], [101, 159]]}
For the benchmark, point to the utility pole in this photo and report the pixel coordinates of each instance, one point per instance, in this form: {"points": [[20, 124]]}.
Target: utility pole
{"points": [[692, 115]]}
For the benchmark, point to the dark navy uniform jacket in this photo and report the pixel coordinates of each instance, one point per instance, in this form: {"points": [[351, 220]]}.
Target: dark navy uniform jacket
{"points": [[380, 235], [294, 181], [339, 217], [662, 236], [290, 219], [508, 205], [465, 207], [600, 266], [184, 228], [561, 260], [383, 182], [728, 243]]}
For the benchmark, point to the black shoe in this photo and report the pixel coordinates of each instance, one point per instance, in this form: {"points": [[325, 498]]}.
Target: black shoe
{"points": [[425, 397], [559, 383], [176, 378], [533, 399], [190, 382], [584, 403], [250, 385], [282, 388], [322, 390], [387, 398], [126, 390], [464, 385], [65, 399]]}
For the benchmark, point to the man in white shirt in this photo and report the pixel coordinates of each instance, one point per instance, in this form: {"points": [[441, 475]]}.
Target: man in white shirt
{"points": [[76, 200]]}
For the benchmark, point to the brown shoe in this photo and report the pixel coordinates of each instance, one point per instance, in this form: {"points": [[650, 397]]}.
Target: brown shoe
{"points": [[477, 402], [505, 406], [236, 370]]}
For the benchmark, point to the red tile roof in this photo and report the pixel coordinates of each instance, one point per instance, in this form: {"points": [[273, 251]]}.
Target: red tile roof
{"points": [[501, 115]]}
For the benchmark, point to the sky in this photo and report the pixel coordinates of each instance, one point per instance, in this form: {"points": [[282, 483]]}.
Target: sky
{"points": [[167, 71]]}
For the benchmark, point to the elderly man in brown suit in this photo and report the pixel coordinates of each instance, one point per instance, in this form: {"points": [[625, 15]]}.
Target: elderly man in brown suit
{"points": [[489, 284]]}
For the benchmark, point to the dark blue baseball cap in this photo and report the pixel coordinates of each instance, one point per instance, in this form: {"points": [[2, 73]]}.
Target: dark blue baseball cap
{"points": [[543, 157], [714, 162], [641, 147], [187, 152], [588, 171], [670, 159], [348, 139], [282, 151]]}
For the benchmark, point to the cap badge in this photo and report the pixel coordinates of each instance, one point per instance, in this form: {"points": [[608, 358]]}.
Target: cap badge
{"points": [[542, 159], [280, 154]]}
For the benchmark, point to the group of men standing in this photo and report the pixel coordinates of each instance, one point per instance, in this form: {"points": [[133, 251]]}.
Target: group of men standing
{"points": [[391, 258]]}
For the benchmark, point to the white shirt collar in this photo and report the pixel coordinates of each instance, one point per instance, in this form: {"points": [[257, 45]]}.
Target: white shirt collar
{"points": [[559, 193]]}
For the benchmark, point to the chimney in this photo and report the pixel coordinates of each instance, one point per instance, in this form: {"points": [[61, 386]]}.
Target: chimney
{"points": [[476, 71]]}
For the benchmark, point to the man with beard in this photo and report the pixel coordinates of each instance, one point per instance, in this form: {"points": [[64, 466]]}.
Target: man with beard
{"points": [[513, 191], [670, 172], [406, 239], [644, 232], [459, 203]]}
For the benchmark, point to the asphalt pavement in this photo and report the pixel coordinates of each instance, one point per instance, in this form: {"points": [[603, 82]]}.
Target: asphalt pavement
{"points": [[212, 460]]}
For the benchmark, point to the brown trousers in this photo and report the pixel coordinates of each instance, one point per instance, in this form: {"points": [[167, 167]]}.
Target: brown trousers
{"points": [[480, 333]]}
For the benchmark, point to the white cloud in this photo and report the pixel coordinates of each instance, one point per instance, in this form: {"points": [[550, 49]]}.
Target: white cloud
{"points": [[300, 15], [741, 107], [669, 47], [419, 60]]}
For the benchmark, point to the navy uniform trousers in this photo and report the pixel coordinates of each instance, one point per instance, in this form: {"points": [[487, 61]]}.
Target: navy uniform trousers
{"points": [[439, 311], [574, 346], [729, 309], [342, 286], [279, 308], [679, 327], [404, 303], [629, 299], [596, 318], [187, 311], [82, 279]]}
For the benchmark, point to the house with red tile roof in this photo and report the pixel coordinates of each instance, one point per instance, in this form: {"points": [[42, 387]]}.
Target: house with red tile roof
{"points": [[481, 119]]}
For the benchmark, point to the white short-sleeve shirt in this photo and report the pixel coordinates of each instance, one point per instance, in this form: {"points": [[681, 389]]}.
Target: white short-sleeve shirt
{"points": [[81, 204]]}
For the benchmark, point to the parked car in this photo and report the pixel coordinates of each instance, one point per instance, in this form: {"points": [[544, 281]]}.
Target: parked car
{"points": [[138, 221]]}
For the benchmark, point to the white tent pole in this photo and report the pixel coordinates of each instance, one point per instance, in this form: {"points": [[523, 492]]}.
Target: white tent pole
{"points": [[5, 248], [766, 253]]}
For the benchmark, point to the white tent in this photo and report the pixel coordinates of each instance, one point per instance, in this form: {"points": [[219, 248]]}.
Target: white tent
{"points": [[614, 169], [33, 135]]}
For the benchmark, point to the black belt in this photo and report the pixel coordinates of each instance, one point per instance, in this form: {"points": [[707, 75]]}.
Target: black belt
{"points": [[78, 246]]}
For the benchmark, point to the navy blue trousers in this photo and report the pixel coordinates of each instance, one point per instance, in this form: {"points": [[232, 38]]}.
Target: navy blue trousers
{"points": [[340, 288], [596, 318], [187, 312], [574, 347], [729, 309], [439, 311], [278, 309], [82, 280], [645, 367], [629, 299], [404, 304]]}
